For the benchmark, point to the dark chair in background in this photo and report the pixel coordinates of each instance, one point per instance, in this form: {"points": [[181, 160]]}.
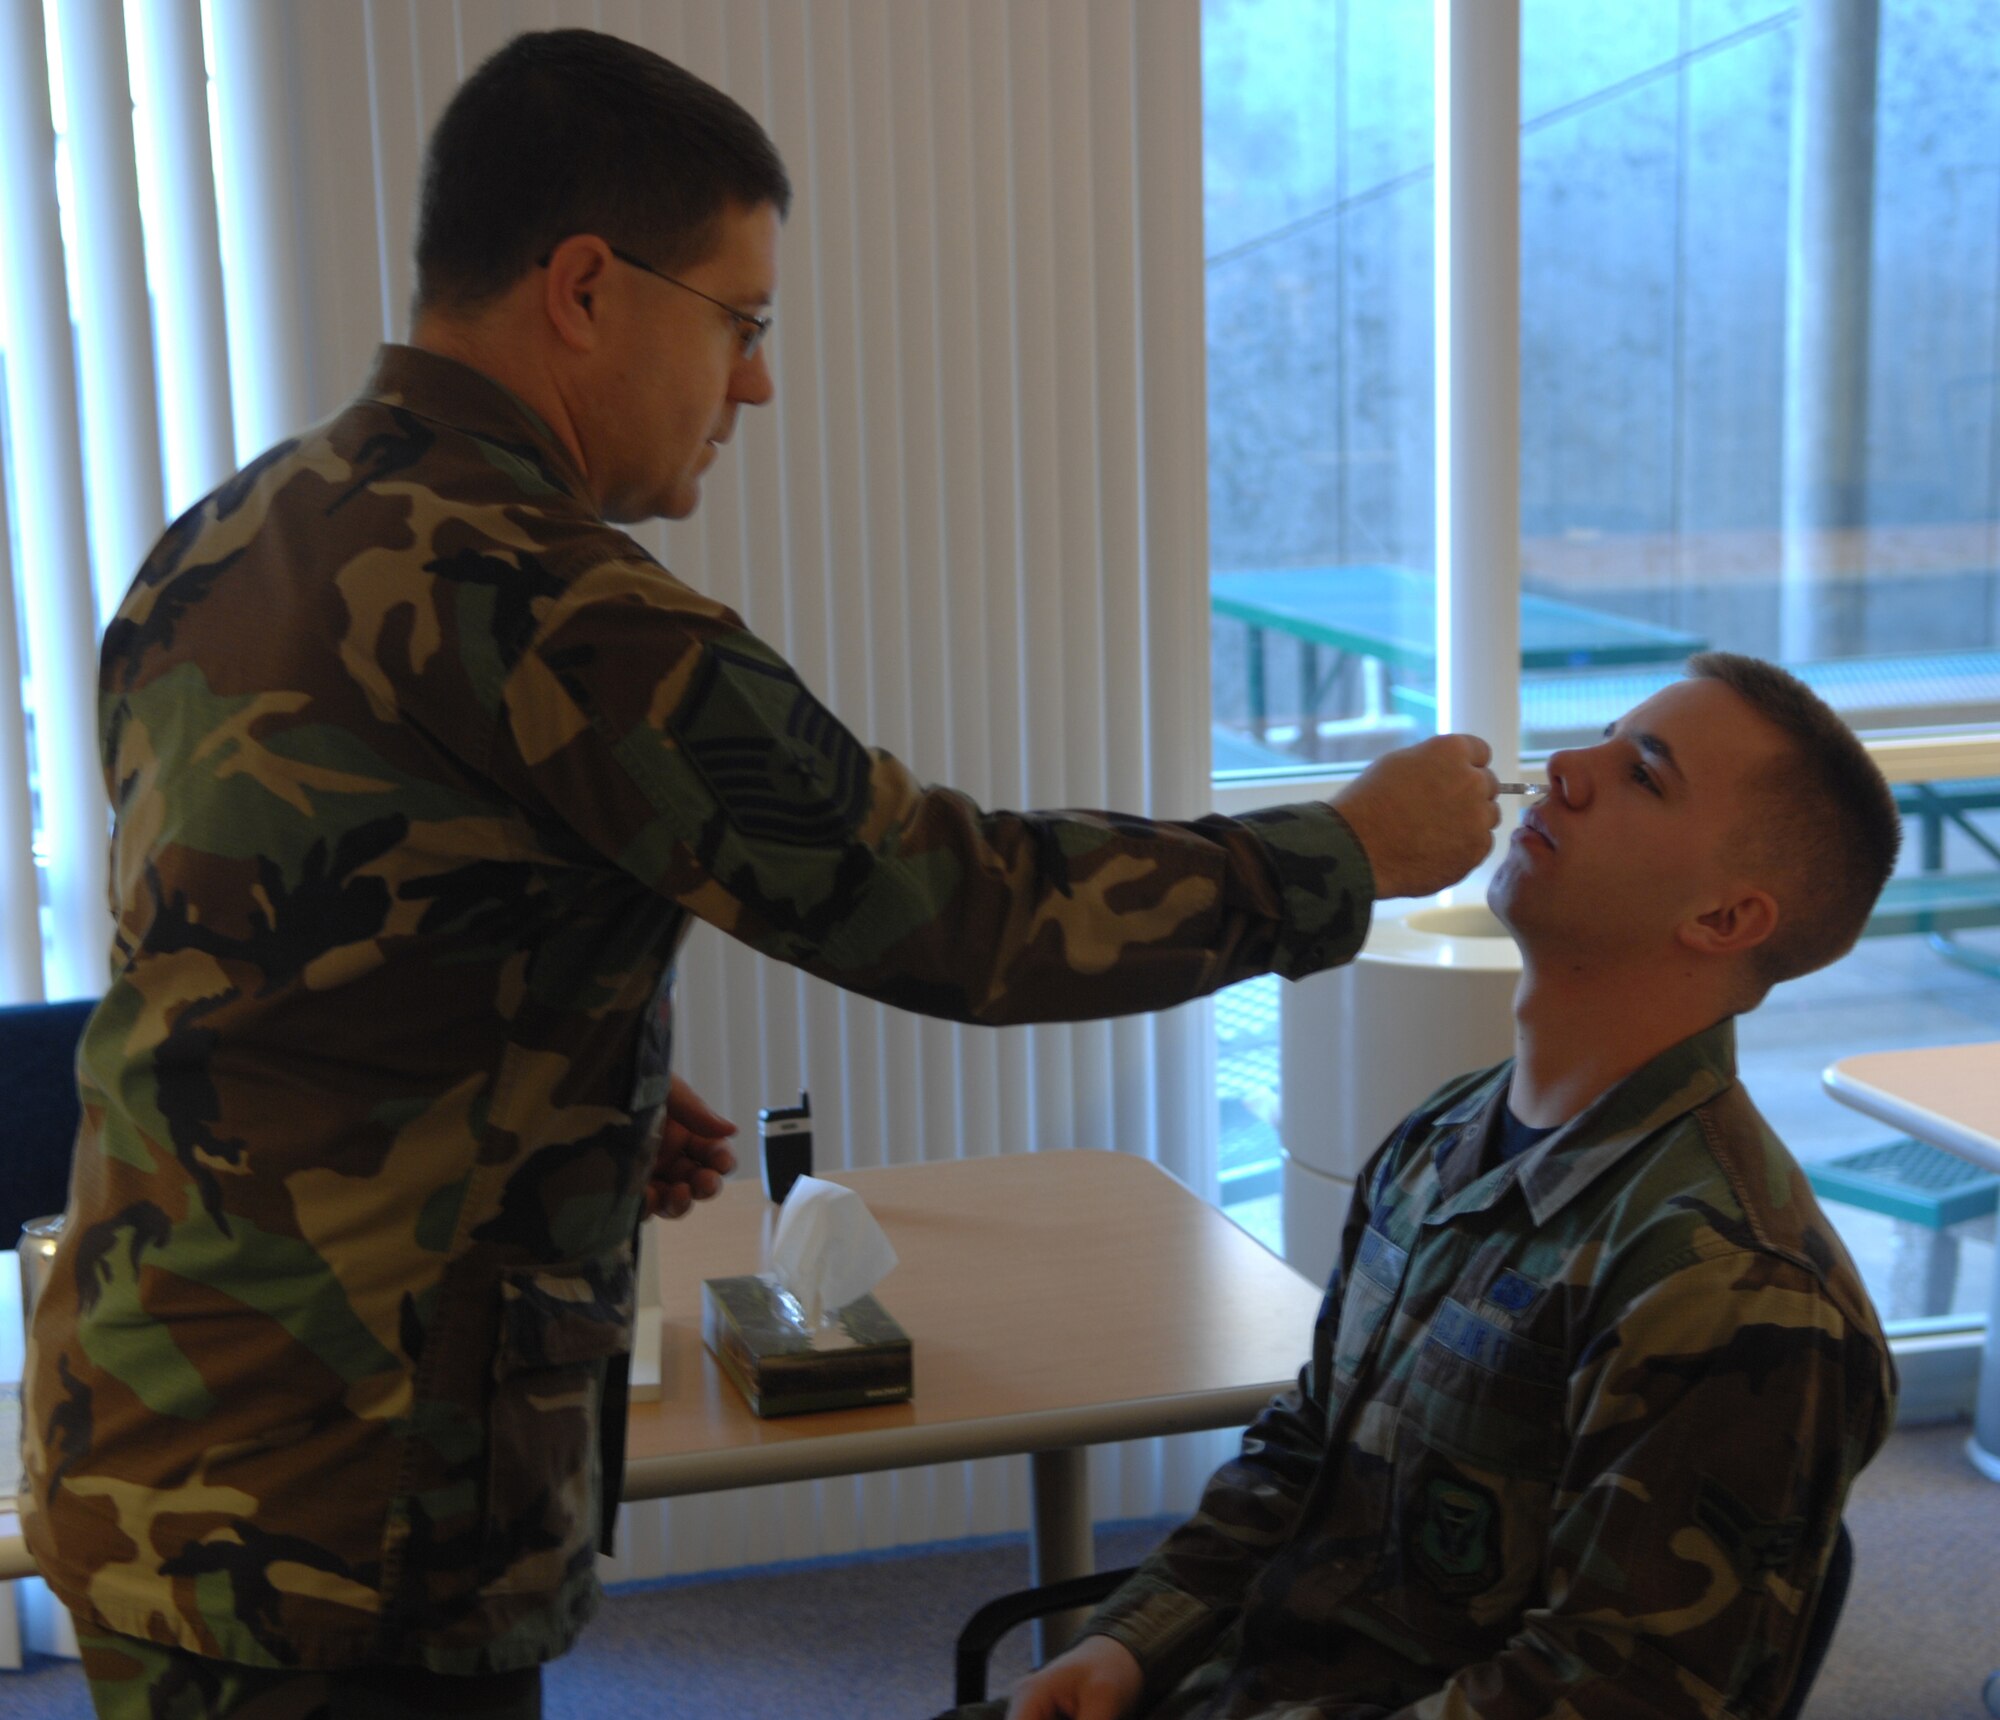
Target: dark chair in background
{"points": [[39, 1109], [1832, 1597], [996, 1618]]}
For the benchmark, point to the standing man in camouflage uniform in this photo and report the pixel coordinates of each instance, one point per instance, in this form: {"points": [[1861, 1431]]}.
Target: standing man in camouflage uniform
{"points": [[1593, 1374], [420, 769]]}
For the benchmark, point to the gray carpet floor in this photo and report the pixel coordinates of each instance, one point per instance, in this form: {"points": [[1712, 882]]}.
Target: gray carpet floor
{"points": [[1921, 1629], [869, 1638]]}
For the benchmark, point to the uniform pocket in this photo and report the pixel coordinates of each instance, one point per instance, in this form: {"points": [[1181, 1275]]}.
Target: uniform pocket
{"points": [[559, 1326], [1487, 1396], [1479, 1443], [1365, 1301]]}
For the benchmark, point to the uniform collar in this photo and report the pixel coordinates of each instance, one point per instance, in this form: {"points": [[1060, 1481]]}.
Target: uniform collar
{"points": [[1557, 1169], [454, 394]]}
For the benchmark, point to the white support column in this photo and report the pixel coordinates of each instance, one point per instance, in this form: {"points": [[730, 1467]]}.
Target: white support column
{"points": [[1173, 480], [1829, 262], [197, 425], [54, 575], [1174, 380], [263, 245], [1478, 262], [121, 418]]}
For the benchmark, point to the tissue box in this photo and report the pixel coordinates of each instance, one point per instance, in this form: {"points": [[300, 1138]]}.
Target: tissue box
{"points": [[774, 1364]]}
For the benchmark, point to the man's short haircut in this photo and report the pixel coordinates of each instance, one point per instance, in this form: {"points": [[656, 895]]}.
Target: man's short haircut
{"points": [[1823, 825], [572, 131]]}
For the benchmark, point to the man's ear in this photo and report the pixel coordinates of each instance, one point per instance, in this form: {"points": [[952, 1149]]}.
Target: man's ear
{"points": [[573, 277], [1748, 918]]}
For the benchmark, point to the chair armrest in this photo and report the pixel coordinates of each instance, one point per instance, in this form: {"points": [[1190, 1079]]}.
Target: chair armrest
{"points": [[997, 1617]]}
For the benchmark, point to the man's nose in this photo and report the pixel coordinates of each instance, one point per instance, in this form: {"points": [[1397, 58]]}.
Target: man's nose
{"points": [[751, 385], [1569, 778]]}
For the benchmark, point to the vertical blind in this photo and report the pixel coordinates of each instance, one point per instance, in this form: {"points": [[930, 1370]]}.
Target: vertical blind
{"points": [[975, 519], [49, 556]]}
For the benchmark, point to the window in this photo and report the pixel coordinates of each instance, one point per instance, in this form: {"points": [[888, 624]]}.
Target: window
{"points": [[1318, 201], [1759, 410], [1318, 215], [1760, 259]]}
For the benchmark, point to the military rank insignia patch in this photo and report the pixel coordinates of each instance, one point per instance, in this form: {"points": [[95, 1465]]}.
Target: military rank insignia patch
{"points": [[779, 761]]}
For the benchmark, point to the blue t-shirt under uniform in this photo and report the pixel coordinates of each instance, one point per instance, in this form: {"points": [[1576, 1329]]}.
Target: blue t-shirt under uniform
{"points": [[1516, 1137]]}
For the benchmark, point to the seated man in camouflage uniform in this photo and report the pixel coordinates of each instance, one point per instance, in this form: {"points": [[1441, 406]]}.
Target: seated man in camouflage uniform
{"points": [[1593, 1373]]}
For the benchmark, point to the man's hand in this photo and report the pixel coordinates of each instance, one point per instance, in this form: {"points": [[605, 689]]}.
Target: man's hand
{"points": [[690, 1160], [1425, 815], [1098, 1679]]}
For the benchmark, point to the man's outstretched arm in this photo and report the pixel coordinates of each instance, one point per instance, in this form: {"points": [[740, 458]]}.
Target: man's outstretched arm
{"points": [[683, 749]]}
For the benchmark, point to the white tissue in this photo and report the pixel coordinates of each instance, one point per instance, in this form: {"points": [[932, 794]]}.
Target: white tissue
{"points": [[829, 1250]]}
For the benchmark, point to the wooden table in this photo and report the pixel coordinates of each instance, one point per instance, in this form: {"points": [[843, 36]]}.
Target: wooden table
{"points": [[1054, 1300], [1948, 1095]]}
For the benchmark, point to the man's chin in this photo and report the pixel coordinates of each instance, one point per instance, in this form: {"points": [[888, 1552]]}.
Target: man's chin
{"points": [[676, 503], [1503, 895]]}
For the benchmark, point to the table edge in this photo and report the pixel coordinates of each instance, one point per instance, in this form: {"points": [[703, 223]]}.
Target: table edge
{"points": [[874, 1449], [1912, 1118], [866, 1451]]}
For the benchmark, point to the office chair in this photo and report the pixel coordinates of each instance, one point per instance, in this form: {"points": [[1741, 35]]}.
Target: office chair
{"points": [[1832, 1597], [39, 1109], [997, 1617]]}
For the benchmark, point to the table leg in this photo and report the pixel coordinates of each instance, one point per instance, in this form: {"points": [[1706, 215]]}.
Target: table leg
{"points": [[1260, 712], [1310, 692], [1059, 1544], [1984, 1445]]}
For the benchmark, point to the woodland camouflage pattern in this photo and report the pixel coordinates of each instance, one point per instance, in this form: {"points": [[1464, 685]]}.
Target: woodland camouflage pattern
{"points": [[134, 1680], [420, 770], [1573, 1443]]}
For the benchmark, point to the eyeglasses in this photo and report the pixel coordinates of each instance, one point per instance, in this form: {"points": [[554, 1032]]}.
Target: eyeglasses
{"points": [[750, 331]]}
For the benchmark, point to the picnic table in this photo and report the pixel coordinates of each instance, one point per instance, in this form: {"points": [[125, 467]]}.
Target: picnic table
{"points": [[1381, 621]]}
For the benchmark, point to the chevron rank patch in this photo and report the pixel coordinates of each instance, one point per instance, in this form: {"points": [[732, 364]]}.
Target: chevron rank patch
{"points": [[1754, 1544], [777, 759]]}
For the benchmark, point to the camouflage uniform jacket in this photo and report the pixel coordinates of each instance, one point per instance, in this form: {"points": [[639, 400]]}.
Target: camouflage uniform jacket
{"points": [[419, 771], [1573, 1441]]}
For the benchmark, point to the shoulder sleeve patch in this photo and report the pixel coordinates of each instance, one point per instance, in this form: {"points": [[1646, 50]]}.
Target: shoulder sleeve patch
{"points": [[1754, 1544], [778, 761]]}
